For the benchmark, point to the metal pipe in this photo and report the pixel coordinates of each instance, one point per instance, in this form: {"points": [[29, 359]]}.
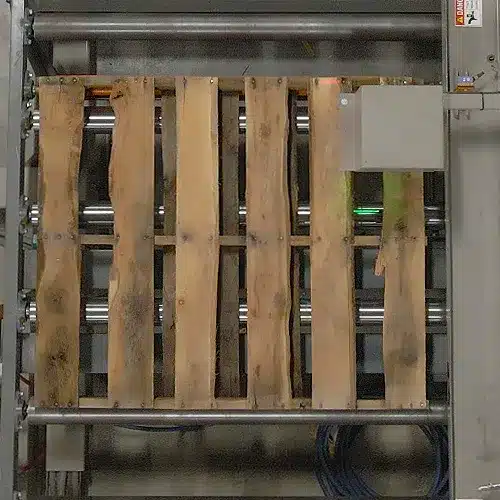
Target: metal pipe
{"points": [[101, 119], [117, 26], [366, 312], [365, 216], [115, 416]]}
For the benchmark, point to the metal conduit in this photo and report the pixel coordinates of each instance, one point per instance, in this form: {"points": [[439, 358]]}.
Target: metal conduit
{"points": [[364, 216], [366, 312], [101, 119], [115, 416], [127, 26]]}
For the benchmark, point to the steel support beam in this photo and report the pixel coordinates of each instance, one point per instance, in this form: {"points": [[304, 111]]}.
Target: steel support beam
{"points": [[365, 217], [386, 27], [113, 416], [366, 312], [237, 6], [474, 281], [13, 256]]}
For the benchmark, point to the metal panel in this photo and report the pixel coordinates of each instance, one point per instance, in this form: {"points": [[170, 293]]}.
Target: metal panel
{"points": [[13, 269], [65, 448], [393, 128], [249, 57], [297, 6], [474, 198]]}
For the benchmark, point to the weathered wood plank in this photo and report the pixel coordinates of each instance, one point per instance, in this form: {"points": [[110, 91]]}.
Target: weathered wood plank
{"points": [[197, 238], [131, 288], [268, 244], [332, 269], [99, 86], [401, 261], [229, 366], [231, 403], [169, 154], [59, 257], [293, 172]]}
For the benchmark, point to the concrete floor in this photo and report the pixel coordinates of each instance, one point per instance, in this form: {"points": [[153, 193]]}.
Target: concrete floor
{"points": [[249, 461]]}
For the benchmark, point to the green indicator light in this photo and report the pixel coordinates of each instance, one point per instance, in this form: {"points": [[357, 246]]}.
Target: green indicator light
{"points": [[367, 211]]}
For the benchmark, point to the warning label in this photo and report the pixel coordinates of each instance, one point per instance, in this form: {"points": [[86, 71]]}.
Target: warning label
{"points": [[469, 13]]}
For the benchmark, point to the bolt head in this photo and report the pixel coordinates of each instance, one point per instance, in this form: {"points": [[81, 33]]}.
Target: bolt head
{"points": [[344, 101]]}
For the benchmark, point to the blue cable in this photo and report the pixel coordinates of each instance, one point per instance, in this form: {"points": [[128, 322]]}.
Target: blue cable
{"points": [[174, 428], [337, 474]]}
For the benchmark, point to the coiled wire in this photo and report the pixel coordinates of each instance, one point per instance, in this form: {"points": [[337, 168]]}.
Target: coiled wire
{"points": [[337, 474]]}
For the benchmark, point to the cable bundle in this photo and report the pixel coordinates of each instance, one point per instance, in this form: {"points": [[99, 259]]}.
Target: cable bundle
{"points": [[160, 428], [338, 477]]}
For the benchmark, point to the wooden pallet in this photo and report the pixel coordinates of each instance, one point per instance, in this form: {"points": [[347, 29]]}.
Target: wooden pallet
{"points": [[201, 240]]}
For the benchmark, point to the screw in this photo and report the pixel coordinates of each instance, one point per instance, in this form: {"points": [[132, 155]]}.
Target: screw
{"points": [[344, 101], [491, 58]]}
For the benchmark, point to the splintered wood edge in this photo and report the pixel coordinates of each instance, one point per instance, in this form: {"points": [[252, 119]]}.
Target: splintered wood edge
{"points": [[229, 403], [225, 241]]}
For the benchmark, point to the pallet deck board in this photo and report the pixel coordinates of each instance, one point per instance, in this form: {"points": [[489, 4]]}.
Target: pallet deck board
{"points": [[131, 288], [268, 244], [100, 85], [332, 266], [229, 366], [169, 156], [401, 261], [197, 241], [59, 258], [231, 403]]}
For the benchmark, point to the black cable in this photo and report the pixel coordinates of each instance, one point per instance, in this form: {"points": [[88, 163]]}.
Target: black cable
{"points": [[337, 474], [174, 428]]}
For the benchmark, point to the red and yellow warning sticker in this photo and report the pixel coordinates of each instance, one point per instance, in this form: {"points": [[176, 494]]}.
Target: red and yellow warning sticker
{"points": [[468, 13]]}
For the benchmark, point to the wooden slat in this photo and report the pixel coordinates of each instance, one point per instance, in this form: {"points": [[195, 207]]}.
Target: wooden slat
{"points": [[268, 244], [197, 235], [401, 261], [131, 289], [293, 172], [169, 154], [229, 366], [332, 269], [99, 86], [230, 403], [58, 290]]}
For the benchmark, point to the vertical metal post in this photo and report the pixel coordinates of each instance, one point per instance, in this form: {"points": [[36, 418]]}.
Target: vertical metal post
{"points": [[474, 210], [13, 256]]}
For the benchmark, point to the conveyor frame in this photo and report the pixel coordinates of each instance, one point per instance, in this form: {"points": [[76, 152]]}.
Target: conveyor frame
{"points": [[472, 207]]}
